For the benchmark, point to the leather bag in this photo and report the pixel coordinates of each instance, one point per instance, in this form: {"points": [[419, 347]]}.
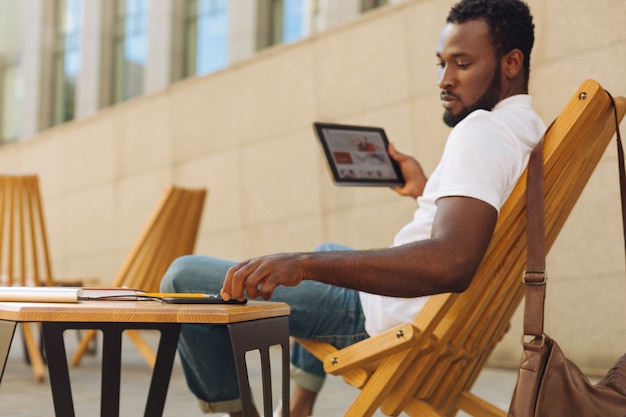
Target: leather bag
{"points": [[549, 384]]}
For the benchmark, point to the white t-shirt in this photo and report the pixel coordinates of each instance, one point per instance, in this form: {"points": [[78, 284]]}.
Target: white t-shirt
{"points": [[484, 157]]}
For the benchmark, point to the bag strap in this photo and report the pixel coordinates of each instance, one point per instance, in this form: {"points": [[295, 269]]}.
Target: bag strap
{"points": [[535, 276], [622, 170]]}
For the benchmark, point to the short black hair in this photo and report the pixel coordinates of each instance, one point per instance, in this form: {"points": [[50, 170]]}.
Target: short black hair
{"points": [[510, 23]]}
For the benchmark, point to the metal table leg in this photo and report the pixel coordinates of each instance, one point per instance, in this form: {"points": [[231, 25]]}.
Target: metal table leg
{"points": [[57, 369], [111, 365], [162, 369], [111, 370], [261, 335], [7, 329]]}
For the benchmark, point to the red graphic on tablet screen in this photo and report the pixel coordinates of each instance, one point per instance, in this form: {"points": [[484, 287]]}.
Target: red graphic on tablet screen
{"points": [[343, 158]]}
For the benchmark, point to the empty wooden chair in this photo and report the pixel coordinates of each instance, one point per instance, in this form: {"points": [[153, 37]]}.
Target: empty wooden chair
{"points": [[171, 232], [427, 367], [24, 253]]}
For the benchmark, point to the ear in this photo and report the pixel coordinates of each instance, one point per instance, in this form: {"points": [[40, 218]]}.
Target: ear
{"points": [[512, 63]]}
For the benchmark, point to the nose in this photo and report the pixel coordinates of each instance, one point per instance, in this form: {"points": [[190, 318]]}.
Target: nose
{"points": [[446, 78]]}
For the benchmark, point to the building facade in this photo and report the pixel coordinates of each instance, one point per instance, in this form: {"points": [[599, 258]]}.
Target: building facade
{"points": [[77, 57]]}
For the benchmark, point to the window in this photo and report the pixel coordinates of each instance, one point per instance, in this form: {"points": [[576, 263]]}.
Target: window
{"points": [[66, 59], [285, 22], [372, 4], [11, 103], [293, 14], [130, 48], [206, 36]]}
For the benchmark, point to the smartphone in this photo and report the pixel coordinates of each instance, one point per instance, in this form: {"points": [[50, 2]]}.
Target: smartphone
{"points": [[209, 299]]}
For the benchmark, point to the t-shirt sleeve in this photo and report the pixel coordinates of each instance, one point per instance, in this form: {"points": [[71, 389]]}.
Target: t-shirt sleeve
{"points": [[481, 160]]}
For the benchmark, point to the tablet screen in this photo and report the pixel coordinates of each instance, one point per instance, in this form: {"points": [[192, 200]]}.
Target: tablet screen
{"points": [[357, 155]]}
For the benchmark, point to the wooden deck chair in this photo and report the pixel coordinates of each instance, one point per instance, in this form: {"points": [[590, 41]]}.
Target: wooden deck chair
{"points": [[171, 232], [24, 254], [427, 367]]}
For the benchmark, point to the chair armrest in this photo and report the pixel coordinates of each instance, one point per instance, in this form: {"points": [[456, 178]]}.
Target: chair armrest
{"points": [[318, 349], [394, 340], [356, 377]]}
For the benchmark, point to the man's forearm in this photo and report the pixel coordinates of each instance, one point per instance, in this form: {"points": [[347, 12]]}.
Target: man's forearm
{"points": [[411, 270]]}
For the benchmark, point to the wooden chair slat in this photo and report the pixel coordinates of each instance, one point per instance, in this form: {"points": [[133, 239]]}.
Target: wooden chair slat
{"points": [[24, 253]]}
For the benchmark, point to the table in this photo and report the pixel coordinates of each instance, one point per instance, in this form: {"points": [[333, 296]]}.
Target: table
{"points": [[256, 325]]}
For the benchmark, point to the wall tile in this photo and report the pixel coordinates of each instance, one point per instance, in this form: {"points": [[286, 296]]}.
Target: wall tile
{"points": [[360, 67], [221, 175], [203, 115], [574, 26], [90, 218], [279, 178], [145, 137], [274, 93], [89, 155], [300, 234], [136, 200]]}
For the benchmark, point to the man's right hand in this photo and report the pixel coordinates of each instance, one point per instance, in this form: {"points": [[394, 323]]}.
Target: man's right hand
{"points": [[260, 276], [414, 177]]}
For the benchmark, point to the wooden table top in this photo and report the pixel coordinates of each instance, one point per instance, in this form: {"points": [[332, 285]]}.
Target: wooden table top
{"points": [[140, 312]]}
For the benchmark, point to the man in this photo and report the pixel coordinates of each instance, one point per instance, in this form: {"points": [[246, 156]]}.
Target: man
{"points": [[342, 296]]}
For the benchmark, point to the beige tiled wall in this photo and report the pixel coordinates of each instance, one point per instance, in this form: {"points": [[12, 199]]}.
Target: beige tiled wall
{"points": [[245, 134]]}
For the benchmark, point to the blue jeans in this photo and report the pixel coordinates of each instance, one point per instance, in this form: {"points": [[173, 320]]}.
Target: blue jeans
{"points": [[319, 312]]}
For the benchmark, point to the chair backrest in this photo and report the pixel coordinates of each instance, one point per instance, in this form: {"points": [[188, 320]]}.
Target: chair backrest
{"points": [[461, 330], [171, 232], [24, 254]]}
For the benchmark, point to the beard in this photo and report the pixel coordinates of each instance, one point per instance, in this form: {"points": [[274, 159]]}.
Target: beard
{"points": [[486, 102]]}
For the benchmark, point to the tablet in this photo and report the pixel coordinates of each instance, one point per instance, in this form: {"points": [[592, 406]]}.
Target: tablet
{"points": [[358, 155]]}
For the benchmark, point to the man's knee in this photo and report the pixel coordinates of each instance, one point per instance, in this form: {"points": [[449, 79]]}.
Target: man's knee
{"points": [[175, 271]]}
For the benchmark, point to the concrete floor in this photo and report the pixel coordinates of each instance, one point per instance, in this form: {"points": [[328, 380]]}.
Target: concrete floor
{"points": [[21, 396]]}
